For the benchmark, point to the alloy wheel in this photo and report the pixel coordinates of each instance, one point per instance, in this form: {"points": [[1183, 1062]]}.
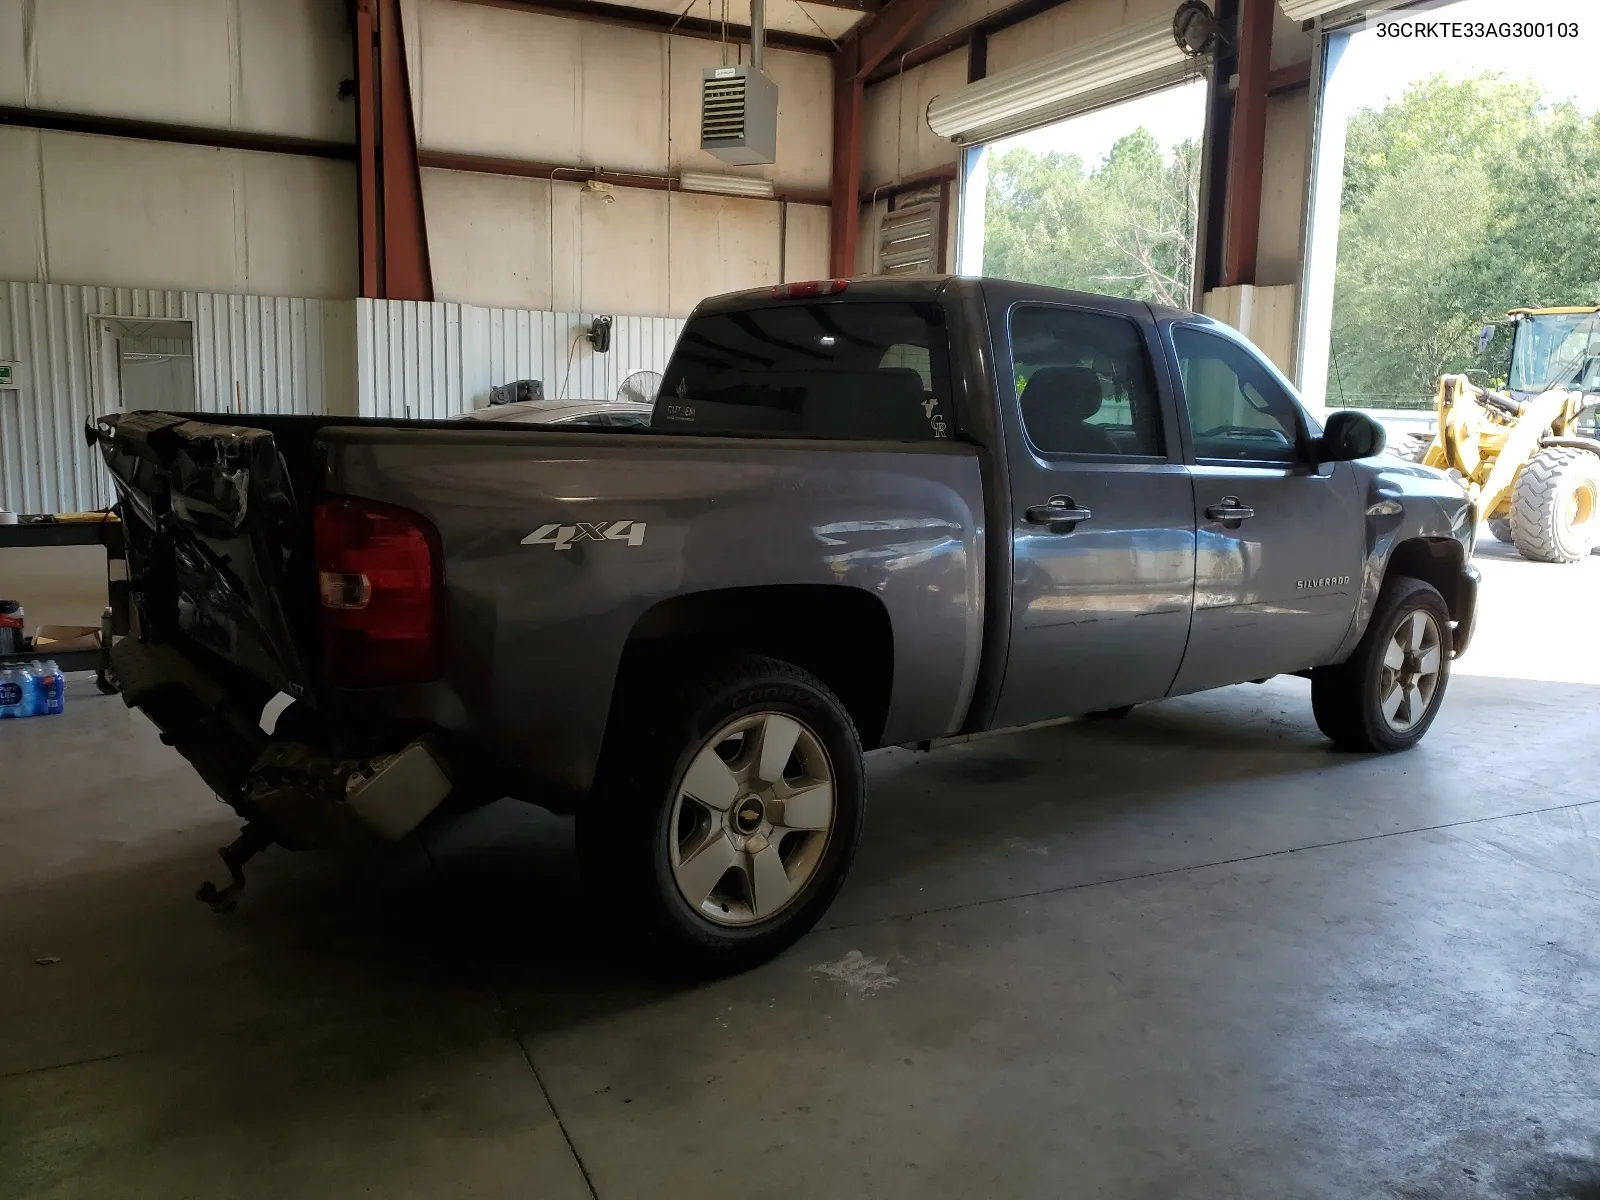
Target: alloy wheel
{"points": [[1410, 675], [751, 818]]}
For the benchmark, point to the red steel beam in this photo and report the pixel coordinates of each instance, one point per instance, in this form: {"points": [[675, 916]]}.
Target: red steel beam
{"points": [[407, 272], [881, 34], [1247, 143], [874, 41], [966, 37], [844, 214], [370, 237]]}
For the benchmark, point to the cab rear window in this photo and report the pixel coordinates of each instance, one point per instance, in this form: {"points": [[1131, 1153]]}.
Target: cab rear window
{"points": [[832, 368]]}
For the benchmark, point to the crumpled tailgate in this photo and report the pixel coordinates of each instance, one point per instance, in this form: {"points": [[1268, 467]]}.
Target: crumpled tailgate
{"points": [[219, 550]]}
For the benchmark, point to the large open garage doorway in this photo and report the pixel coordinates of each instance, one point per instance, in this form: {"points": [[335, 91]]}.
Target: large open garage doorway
{"points": [[1104, 202], [1454, 175]]}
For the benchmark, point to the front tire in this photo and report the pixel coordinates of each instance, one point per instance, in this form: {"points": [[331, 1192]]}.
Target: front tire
{"points": [[726, 811], [1500, 527], [1555, 505], [1387, 693]]}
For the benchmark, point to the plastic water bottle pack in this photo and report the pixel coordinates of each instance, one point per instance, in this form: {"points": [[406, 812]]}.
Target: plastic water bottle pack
{"points": [[36, 689]]}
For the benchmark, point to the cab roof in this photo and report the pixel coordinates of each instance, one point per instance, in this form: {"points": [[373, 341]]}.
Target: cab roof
{"points": [[1552, 312], [923, 288]]}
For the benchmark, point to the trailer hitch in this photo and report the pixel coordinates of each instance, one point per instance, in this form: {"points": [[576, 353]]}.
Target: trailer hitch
{"points": [[252, 840]]}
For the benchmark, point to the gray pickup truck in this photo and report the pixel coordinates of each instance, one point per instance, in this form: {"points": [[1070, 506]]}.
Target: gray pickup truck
{"points": [[864, 514]]}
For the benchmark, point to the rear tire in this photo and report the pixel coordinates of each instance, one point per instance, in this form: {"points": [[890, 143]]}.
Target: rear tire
{"points": [[1555, 505], [687, 801], [1387, 693], [1500, 527]]}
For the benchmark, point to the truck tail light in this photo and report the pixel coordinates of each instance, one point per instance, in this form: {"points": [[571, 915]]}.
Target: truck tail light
{"points": [[379, 583], [812, 287]]}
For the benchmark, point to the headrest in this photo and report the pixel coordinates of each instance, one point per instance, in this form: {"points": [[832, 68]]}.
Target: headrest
{"points": [[867, 404], [1061, 394], [900, 384]]}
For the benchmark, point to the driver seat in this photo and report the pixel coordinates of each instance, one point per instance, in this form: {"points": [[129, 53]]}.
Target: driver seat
{"points": [[1057, 404]]}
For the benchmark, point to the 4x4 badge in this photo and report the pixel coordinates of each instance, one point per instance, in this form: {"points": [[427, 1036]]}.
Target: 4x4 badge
{"points": [[563, 536]]}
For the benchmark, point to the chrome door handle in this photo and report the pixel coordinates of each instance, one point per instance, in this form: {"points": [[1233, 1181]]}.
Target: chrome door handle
{"points": [[1230, 511], [1061, 514]]}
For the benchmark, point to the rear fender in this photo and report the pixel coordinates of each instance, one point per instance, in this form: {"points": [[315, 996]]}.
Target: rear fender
{"points": [[840, 634]]}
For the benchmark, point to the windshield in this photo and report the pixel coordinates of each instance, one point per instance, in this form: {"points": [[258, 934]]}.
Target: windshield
{"points": [[1556, 350], [832, 368]]}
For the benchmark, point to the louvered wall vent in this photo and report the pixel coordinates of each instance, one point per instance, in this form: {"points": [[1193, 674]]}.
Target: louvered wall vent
{"points": [[908, 240]]}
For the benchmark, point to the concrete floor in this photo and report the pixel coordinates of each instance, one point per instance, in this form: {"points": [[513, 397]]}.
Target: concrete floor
{"points": [[1191, 954]]}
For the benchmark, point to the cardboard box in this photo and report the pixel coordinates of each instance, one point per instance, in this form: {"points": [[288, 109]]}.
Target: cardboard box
{"points": [[65, 639]]}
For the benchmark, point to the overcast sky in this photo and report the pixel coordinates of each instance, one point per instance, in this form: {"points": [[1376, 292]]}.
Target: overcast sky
{"points": [[1381, 69]]}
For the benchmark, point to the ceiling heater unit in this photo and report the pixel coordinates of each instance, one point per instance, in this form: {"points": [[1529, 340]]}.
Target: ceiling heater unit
{"points": [[739, 105]]}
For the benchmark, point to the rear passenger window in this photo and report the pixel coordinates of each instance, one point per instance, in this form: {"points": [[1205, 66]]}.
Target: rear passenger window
{"points": [[834, 368], [1084, 383]]}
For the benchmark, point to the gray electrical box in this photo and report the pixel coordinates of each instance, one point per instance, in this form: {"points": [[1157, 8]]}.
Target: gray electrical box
{"points": [[739, 115]]}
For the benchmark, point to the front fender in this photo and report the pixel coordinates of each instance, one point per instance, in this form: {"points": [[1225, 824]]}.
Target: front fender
{"points": [[1424, 516]]}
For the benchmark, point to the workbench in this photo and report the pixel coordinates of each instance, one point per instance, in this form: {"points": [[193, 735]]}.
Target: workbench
{"points": [[34, 533]]}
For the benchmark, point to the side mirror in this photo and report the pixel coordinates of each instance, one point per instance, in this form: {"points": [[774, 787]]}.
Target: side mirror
{"points": [[1350, 435]]}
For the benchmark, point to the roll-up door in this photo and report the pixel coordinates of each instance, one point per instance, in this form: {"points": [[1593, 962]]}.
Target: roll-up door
{"points": [[1092, 74], [1310, 10]]}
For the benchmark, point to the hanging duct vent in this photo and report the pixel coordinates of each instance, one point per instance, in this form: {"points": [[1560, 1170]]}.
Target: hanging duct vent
{"points": [[739, 115], [739, 105]]}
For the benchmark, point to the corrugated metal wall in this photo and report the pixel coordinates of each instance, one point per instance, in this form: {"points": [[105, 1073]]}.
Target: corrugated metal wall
{"points": [[263, 354], [436, 361], [255, 354]]}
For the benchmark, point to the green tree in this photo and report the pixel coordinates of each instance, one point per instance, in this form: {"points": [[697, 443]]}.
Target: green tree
{"points": [[1460, 200], [1544, 242], [1403, 305], [1126, 228], [1473, 121]]}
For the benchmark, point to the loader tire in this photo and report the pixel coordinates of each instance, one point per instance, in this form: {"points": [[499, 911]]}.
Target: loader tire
{"points": [[1414, 448], [1500, 527], [1386, 694], [1555, 505]]}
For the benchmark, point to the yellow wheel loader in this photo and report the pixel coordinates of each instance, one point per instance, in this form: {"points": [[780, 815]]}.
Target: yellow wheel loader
{"points": [[1529, 456]]}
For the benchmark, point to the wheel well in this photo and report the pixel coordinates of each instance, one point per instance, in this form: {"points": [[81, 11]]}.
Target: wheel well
{"points": [[1437, 561], [842, 635]]}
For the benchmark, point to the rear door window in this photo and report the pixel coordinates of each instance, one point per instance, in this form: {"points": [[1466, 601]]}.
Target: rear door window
{"points": [[835, 369], [1084, 383]]}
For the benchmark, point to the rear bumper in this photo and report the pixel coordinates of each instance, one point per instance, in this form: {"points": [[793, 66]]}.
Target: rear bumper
{"points": [[321, 800], [1465, 609], [307, 796]]}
